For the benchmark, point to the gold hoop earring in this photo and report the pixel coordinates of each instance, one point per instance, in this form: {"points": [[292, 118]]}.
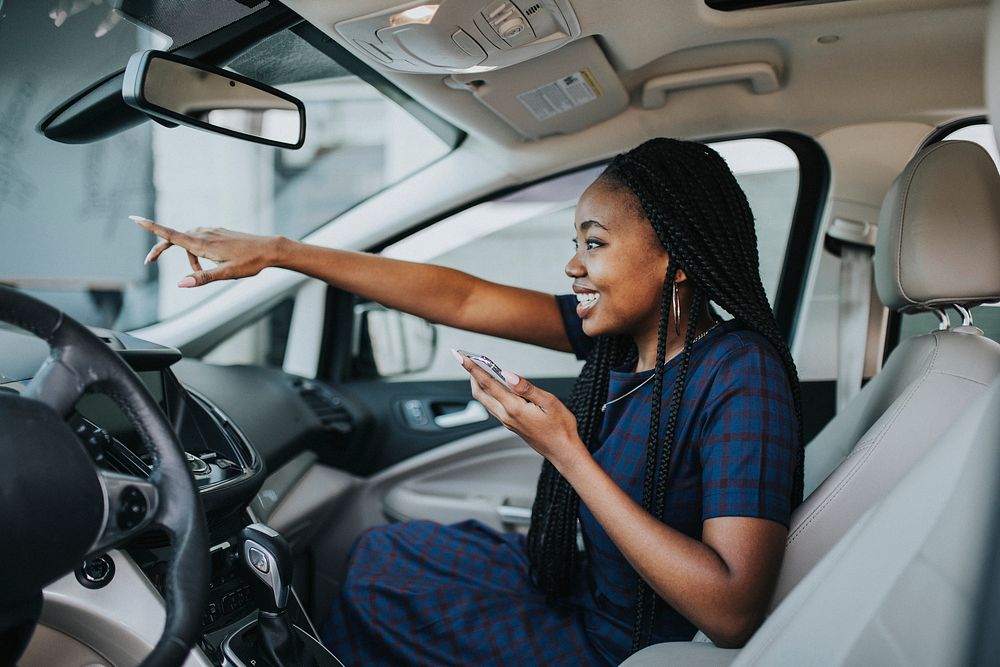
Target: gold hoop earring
{"points": [[676, 306]]}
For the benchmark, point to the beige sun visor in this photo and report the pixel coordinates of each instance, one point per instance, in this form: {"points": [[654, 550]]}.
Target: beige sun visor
{"points": [[558, 93]]}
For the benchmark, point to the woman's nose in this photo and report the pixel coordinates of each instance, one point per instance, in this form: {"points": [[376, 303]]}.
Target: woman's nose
{"points": [[574, 267]]}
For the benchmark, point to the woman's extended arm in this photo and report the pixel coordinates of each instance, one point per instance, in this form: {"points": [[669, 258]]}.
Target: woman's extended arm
{"points": [[722, 584], [434, 293]]}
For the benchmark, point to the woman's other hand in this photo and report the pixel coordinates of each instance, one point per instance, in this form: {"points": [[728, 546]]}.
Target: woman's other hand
{"points": [[537, 416], [237, 255]]}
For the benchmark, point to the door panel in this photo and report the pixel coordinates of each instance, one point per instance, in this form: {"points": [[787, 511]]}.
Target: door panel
{"points": [[495, 488], [407, 416]]}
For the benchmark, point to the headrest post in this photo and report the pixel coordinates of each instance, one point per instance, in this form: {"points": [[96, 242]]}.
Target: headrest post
{"points": [[964, 312], [945, 323]]}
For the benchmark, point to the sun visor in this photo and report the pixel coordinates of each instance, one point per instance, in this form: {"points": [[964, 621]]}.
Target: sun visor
{"points": [[558, 93]]}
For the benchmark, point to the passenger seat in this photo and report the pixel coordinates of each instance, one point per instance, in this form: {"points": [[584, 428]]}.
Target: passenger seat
{"points": [[938, 246]]}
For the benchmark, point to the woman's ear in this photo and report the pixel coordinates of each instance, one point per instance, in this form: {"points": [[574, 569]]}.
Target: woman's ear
{"points": [[680, 277]]}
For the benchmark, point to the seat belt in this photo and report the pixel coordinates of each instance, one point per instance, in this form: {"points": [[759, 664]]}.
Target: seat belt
{"points": [[854, 242]]}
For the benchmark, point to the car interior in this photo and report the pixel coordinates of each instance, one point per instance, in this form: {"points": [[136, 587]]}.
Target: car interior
{"points": [[220, 449]]}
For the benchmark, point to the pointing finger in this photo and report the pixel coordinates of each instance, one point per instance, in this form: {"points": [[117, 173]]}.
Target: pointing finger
{"points": [[164, 232]]}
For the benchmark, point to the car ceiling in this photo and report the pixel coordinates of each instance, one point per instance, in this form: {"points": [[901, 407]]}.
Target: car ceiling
{"points": [[893, 60]]}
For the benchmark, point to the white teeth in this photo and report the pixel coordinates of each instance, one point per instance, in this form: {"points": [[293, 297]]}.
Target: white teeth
{"points": [[588, 299]]}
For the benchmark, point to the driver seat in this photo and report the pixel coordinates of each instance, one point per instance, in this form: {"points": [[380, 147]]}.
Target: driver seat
{"points": [[940, 217], [938, 246]]}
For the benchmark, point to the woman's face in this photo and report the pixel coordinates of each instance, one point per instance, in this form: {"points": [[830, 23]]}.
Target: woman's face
{"points": [[619, 264]]}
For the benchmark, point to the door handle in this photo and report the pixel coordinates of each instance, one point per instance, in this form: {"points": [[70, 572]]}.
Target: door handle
{"points": [[514, 515], [472, 413]]}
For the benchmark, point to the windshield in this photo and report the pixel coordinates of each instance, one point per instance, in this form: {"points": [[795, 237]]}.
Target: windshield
{"points": [[64, 232]]}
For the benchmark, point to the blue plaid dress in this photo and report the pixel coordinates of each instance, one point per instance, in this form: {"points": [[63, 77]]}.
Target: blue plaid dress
{"points": [[420, 593]]}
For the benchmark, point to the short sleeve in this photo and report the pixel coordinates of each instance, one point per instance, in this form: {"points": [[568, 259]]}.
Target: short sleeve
{"points": [[749, 437], [580, 342]]}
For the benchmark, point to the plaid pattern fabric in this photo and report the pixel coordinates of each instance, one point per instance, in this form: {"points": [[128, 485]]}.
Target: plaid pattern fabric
{"points": [[419, 593], [734, 455]]}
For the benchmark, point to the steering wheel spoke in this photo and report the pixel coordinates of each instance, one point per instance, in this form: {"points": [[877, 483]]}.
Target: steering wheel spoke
{"points": [[130, 506], [58, 385]]}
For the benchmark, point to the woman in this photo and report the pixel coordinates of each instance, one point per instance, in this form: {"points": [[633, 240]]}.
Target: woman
{"points": [[680, 457]]}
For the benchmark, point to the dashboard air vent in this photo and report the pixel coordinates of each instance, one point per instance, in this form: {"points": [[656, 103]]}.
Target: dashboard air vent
{"points": [[329, 409]]}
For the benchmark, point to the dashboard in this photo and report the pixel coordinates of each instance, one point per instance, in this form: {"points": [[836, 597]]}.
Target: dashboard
{"points": [[225, 466]]}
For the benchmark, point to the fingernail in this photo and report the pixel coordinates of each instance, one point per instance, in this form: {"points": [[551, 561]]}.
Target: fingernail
{"points": [[146, 261], [510, 378], [458, 357], [187, 281], [137, 219]]}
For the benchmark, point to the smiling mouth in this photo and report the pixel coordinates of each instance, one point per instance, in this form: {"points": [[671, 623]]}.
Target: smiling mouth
{"points": [[586, 301]]}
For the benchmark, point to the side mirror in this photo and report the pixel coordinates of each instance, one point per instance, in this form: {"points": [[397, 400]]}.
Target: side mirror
{"points": [[178, 90], [394, 342]]}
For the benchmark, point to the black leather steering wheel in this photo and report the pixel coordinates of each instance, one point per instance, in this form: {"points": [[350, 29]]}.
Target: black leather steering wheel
{"points": [[57, 508]]}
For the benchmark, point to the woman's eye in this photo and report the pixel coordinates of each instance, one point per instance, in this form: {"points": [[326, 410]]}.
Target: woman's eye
{"points": [[590, 243]]}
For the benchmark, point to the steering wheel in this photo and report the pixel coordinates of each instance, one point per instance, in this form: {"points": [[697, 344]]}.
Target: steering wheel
{"points": [[57, 508]]}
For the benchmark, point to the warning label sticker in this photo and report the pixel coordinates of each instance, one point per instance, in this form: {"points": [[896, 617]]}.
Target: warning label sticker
{"points": [[560, 96]]}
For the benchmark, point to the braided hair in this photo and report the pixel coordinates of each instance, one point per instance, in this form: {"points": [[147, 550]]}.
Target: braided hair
{"points": [[701, 217]]}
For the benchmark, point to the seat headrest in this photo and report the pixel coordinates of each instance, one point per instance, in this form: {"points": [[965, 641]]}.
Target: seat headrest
{"points": [[939, 230]]}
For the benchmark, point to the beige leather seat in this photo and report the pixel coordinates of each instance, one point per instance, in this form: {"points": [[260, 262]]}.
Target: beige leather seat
{"points": [[939, 245], [902, 587]]}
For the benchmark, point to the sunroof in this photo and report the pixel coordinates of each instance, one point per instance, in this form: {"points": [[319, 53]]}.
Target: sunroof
{"points": [[734, 5]]}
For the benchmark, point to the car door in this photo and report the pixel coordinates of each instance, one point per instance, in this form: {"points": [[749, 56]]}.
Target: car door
{"points": [[443, 456]]}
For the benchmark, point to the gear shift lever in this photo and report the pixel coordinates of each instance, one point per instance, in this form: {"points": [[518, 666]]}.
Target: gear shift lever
{"points": [[272, 640], [269, 560]]}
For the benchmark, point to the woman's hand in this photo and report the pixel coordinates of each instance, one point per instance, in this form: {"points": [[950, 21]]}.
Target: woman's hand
{"points": [[237, 255], [537, 416]]}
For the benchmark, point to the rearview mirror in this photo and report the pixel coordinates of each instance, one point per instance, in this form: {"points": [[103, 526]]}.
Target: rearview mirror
{"points": [[179, 90]]}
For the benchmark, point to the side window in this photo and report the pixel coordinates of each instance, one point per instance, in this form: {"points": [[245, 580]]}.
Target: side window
{"points": [[986, 317], [768, 172], [524, 239], [286, 335]]}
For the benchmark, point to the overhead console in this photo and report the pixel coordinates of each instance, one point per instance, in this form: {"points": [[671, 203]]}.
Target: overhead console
{"points": [[461, 36]]}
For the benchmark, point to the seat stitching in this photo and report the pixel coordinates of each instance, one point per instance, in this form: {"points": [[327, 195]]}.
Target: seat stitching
{"points": [[870, 449], [964, 377]]}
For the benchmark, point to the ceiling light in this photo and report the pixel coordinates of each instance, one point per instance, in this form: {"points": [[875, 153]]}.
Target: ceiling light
{"points": [[420, 14], [477, 69]]}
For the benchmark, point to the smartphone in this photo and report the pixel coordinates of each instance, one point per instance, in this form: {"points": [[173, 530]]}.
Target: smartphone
{"points": [[487, 365]]}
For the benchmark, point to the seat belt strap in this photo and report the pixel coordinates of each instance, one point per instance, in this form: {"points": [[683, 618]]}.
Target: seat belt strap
{"points": [[854, 305], [854, 242]]}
